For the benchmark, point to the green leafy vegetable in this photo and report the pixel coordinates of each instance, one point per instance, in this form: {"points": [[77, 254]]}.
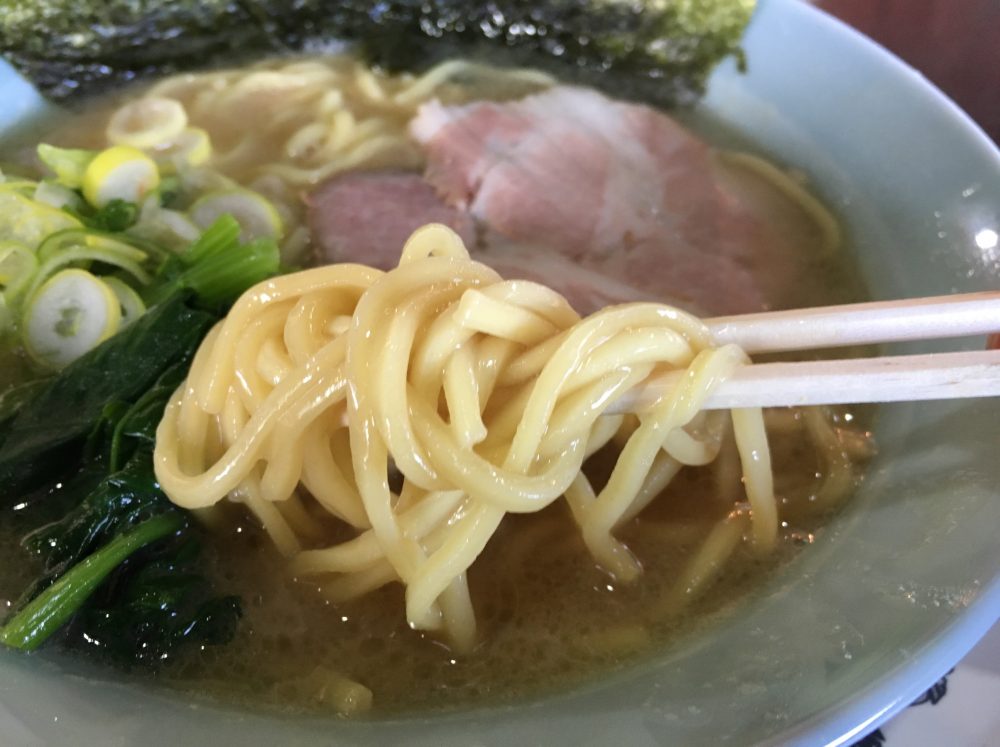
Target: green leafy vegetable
{"points": [[219, 237], [139, 422], [118, 501], [665, 47], [65, 410], [149, 609], [12, 399], [217, 267], [118, 562], [117, 215], [47, 612], [169, 190], [224, 275], [118, 568], [146, 608]]}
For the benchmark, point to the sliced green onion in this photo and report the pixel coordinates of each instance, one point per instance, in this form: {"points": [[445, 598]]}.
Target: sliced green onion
{"points": [[29, 222], [257, 217], [56, 195], [60, 242], [85, 255], [119, 173], [179, 225], [6, 322], [192, 147], [147, 123], [68, 164], [130, 303], [18, 265], [21, 186], [169, 228], [69, 315]]}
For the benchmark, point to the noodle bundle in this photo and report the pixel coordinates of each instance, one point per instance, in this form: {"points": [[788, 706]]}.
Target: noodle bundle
{"points": [[318, 117], [417, 407]]}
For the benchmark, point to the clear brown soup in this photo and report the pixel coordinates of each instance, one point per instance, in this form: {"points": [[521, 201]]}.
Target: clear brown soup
{"points": [[549, 618]]}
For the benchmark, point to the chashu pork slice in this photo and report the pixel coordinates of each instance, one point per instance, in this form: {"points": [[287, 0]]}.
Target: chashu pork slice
{"points": [[618, 191], [367, 216]]}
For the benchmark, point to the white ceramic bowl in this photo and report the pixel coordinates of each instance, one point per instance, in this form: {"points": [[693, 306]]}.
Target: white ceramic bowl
{"points": [[891, 594]]}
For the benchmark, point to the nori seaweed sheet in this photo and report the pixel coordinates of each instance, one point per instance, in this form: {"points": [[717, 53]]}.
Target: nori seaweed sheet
{"points": [[659, 50]]}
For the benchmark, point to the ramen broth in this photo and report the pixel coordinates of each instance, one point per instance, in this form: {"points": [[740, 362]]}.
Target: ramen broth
{"points": [[549, 618]]}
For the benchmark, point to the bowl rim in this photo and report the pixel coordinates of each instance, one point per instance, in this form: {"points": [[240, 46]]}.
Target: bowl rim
{"points": [[885, 697]]}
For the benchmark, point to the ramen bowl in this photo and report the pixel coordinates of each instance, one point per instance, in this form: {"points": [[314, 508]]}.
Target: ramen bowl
{"points": [[888, 596]]}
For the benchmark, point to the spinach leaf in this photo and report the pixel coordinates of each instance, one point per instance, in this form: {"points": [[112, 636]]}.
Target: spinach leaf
{"points": [[153, 605], [47, 612], [50, 426], [14, 398], [140, 609], [118, 562], [139, 422], [117, 215], [118, 501]]}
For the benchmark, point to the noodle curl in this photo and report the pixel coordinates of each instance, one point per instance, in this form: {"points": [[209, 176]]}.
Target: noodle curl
{"points": [[420, 406]]}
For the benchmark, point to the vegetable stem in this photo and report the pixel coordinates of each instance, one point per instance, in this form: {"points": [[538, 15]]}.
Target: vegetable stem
{"points": [[222, 235], [47, 612], [223, 276], [218, 268]]}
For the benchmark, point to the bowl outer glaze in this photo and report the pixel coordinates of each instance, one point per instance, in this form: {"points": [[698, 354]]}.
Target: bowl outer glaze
{"points": [[888, 597]]}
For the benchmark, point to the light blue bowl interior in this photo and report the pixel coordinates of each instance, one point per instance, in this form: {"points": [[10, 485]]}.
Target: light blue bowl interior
{"points": [[891, 594]]}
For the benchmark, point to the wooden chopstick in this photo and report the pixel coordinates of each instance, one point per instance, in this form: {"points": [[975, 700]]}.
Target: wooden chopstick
{"points": [[847, 381], [930, 318], [858, 380]]}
